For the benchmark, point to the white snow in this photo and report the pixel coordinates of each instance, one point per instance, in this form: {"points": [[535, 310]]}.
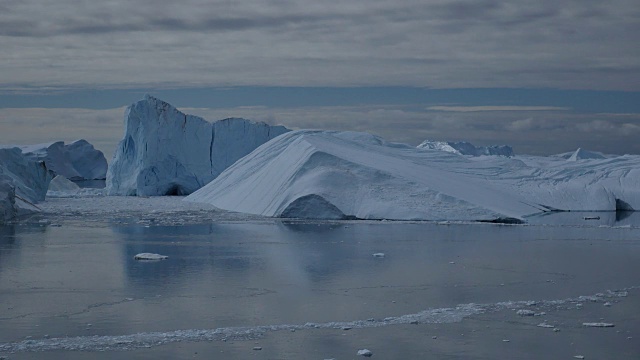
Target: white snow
{"points": [[78, 160], [166, 152], [150, 256], [466, 148], [337, 175]]}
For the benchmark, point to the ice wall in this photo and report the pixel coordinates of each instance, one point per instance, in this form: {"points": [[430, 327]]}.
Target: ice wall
{"points": [[166, 152], [23, 182]]}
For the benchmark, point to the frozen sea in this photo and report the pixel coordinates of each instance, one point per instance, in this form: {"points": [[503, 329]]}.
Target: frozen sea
{"points": [[240, 287]]}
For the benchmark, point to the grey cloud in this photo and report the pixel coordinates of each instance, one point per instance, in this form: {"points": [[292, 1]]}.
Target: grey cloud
{"points": [[439, 43]]}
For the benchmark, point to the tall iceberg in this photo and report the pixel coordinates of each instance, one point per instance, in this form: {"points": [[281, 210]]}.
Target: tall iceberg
{"points": [[167, 152]]}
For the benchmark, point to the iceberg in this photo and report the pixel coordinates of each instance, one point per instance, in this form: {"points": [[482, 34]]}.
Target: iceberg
{"points": [[582, 154], [78, 160], [466, 148], [23, 182], [347, 175], [166, 152]]}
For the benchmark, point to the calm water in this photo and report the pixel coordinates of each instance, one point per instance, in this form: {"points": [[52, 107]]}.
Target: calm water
{"points": [[75, 281]]}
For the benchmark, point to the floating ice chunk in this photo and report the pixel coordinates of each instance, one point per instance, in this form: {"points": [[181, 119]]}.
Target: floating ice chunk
{"points": [[150, 256], [257, 348], [545, 325], [598, 324], [365, 353], [525, 312], [591, 218], [378, 255]]}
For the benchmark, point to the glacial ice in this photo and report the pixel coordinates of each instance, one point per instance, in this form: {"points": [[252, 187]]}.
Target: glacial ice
{"points": [[166, 152], [23, 182], [331, 175], [78, 160], [465, 148]]}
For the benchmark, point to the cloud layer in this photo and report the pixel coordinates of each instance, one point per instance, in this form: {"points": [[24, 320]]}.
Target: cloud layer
{"points": [[529, 132], [581, 44]]}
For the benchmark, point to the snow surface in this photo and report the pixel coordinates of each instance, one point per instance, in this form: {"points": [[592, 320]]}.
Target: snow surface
{"points": [[338, 175], [78, 160], [166, 152], [465, 148]]}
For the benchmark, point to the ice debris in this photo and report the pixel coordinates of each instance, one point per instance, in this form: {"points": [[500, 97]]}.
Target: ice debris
{"points": [[365, 352], [598, 324], [150, 256]]}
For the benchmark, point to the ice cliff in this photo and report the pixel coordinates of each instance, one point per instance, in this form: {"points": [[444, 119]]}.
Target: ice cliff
{"points": [[465, 148], [341, 175], [78, 160], [166, 152], [23, 182]]}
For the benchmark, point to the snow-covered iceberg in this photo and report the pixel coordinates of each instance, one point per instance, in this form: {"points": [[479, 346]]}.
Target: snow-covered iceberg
{"points": [[341, 175], [166, 152], [466, 148], [582, 154], [78, 160], [23, 182]]}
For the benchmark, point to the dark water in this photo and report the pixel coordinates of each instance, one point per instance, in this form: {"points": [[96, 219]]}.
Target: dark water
{"points": [[70, 281]]}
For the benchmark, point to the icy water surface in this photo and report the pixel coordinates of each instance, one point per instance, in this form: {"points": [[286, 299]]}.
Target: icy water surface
{"points": [[315, 290]]}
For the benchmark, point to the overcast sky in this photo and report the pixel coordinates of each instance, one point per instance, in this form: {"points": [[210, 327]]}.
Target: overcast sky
{"points": [[88, 59]]}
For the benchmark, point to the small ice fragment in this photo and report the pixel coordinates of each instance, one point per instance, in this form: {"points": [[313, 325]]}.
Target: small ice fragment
{"points": [[378, 255], [371, 319], [257, 348], [150, 256], [598, 324], [545, 325], [524, 312], [345, 328], [129, 299], [579, 356], [452, 262], [556, 330], [414, 322], [434, 337], [365, 353], [506, 340], [607, 304]]}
